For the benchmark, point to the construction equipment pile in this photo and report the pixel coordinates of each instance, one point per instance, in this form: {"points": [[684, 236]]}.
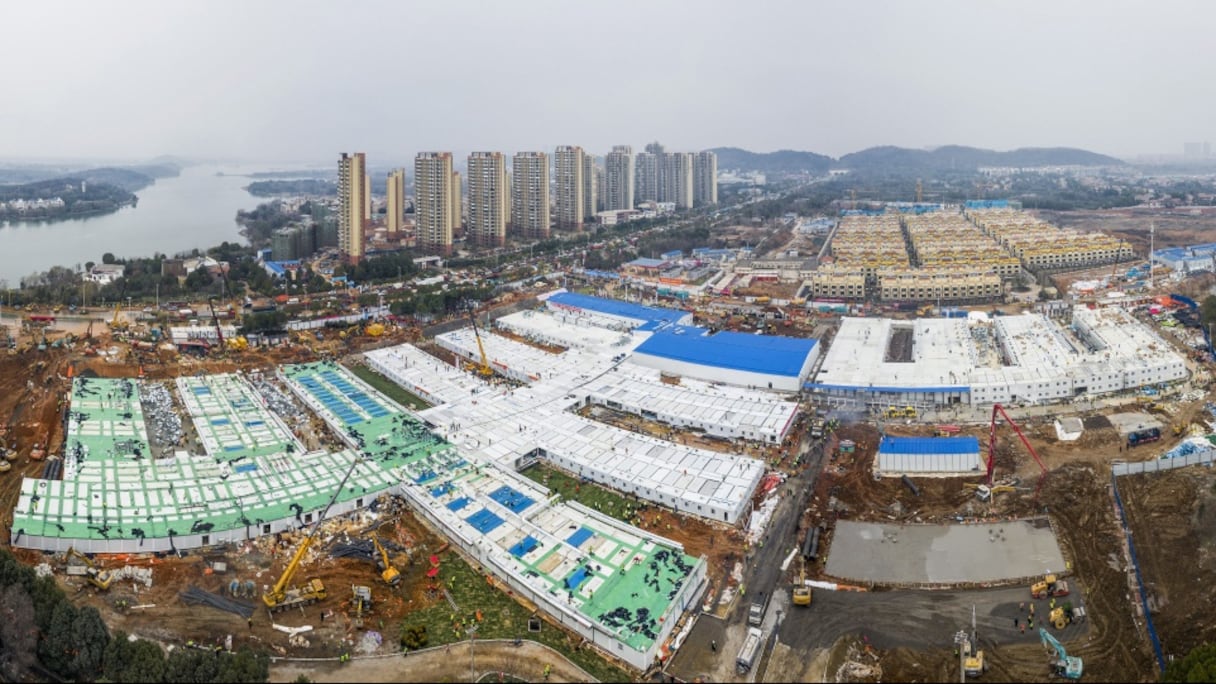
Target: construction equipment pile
{"points": [[164, 423]]}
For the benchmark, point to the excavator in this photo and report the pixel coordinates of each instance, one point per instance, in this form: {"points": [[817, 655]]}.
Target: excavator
{"points": [[97, 577], [802, 593], [484, 369], [1064, 665], [388, 573], [360, 602]]}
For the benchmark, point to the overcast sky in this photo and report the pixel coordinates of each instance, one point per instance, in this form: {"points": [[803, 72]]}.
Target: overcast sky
{"points": [[303, 81]]}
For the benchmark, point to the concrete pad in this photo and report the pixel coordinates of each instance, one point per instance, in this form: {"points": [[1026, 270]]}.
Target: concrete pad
{"points": [[943, 554], [1130, 422]]}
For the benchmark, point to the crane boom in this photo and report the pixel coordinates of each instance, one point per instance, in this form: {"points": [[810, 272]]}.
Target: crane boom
{"points": [[484, 369], [1065, 665], [219, 334], [997, 408]]}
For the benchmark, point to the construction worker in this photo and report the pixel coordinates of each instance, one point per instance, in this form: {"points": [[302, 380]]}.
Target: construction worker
{"points": [[713, 645]]}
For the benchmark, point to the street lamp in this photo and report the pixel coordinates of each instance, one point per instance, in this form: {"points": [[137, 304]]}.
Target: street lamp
{"points": [[472, 632]]}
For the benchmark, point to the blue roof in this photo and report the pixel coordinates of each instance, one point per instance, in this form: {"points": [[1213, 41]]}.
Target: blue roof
{"points": [[768, 354], [615, 307], [962, 444]]}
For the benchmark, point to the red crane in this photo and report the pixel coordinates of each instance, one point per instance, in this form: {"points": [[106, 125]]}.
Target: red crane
{"points": [[997, 408]]}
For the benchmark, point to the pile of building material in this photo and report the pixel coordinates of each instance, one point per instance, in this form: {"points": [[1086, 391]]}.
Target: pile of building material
{"points": [[165, 425], [135, 574], [195, 596], [277, 401]]}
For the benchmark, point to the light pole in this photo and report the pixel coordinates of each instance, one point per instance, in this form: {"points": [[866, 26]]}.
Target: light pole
{"points": [[472, 632]]}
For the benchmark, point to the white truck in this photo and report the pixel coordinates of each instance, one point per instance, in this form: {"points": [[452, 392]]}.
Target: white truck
{"points": [[750, 651]]}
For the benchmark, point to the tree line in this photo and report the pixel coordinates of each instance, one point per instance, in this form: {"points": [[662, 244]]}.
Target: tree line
{"points": [[42, 630]]}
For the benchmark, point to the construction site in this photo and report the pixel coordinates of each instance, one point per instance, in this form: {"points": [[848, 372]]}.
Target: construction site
{"points": [[601, 479]]}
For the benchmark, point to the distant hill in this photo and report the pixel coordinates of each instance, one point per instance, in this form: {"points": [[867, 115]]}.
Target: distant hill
{"points": [[957, 157], [781, 161]]}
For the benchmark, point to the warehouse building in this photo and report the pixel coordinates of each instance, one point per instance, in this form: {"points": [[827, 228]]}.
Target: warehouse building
{"points": [[613, 313], [760, 361], [1027, 359], [926, 456]]}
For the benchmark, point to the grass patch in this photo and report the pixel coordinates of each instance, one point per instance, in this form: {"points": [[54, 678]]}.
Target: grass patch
{"points": [[389, 388], [502, 618], [589, 494]]}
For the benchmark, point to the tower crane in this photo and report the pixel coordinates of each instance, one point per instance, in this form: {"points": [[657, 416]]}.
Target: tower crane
{"points": [[1064, 665], [997, 408], [219, 334]]}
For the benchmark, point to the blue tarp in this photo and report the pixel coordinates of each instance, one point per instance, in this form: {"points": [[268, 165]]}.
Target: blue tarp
{"points": [[962, 444], [511, 499], [441, 489], [580, 535], [768, 354], [576, 578], [524, 545], [484, 521], [458, 503]]}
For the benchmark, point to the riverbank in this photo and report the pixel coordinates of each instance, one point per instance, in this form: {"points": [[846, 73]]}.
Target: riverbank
{"points": [[45, 220]]}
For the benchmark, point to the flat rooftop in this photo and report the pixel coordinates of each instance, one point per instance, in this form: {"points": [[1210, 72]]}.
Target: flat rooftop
{"points": [[769, 354], [928, 455], [539, 325], [648, 317], [943, 554], [231, 420]]}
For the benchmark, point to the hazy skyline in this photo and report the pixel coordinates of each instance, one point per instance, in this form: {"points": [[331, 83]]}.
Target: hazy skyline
{"points": [[303, 81]]}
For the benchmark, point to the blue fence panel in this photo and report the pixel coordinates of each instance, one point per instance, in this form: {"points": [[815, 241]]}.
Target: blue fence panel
{"points": [[1131, 547]]}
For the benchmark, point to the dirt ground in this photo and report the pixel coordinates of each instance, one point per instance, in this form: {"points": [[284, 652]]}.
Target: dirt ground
{"points": [[1173, 519], [1075, 495]]}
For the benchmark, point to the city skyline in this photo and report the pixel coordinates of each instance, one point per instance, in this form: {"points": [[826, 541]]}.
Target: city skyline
{"points": [[827, 77]]}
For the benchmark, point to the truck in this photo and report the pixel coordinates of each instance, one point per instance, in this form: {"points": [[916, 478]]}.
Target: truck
{"points": [[1144, 436], [750, 651], [755, 614], [817, 426]]}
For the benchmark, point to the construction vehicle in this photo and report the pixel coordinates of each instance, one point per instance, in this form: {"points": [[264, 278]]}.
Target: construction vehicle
{"points": [[1178, 429], [116, 323], [374, 330], [970, 657], [360, 603], [239, 343], [97, 577], [909, 412], [1050, 587], [1063, 616], [484, 369], [802, 593], [388, 573], [817, 428], [219, 334], [1138, 437], [998, 409], [1063, 665], [751, 649], [280, 596], [894, 412], [984, 493]]}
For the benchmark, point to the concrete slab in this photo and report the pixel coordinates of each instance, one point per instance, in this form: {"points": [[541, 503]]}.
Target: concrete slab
{"points": [[943, 554], [1130, 422]]}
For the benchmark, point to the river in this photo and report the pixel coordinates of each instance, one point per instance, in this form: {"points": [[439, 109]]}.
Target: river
{"points": [[195, 209]]}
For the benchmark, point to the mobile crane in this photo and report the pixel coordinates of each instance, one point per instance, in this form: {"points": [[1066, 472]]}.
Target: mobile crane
{"points": [[280, 596], [1064, 665], [219, 334], [388, 573], [115, 323], [484, 369]]}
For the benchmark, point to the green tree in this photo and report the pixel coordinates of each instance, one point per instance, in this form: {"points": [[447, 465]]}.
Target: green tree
{"points": [[1207, 310], [244, 666], [1198, 666], [18, 633], [188, 665], [107, 258], [147, 663], [56, 649], [89, 639]]}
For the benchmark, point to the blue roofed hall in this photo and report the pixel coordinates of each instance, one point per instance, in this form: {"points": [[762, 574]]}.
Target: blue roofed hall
{"points": [[635, 316], [764, 361], [929, 455]]}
